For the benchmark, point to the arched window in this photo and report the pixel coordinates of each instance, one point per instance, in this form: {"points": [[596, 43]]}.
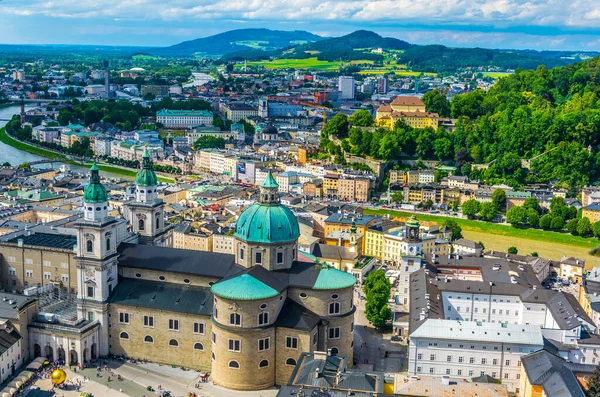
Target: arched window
{"points": [[173, 342], [90, 246], [141, 224], [198, 346], [290, 361], [148, 339], [263, 364], [157, 221], [334, 351], [124, 335], [108, 244], [235, 319], [334, 308], [234, 364]]}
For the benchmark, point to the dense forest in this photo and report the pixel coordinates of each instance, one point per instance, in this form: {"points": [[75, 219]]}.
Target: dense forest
{"points": [[533, 112]]}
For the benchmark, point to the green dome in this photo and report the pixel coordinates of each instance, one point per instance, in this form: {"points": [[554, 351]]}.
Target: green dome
{"points": [[266, 223], [413, 222], [330, 278], [244, 287], [95, 192], [146, 175]]}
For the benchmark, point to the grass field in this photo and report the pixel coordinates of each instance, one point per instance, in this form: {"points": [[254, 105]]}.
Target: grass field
{"points": [[306, 63], [496, 75], [396, 72], [143, 57], [550, 245], [127, 173]]}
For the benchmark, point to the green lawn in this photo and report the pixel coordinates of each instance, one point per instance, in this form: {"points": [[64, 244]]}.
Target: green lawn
{"points": [[396, 72], [143, 57], [305, 63], [496, 75], [127, 173], [501, 230]]}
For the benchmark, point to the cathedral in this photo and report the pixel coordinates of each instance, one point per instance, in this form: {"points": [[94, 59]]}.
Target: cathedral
{"points": [[246, 318]]}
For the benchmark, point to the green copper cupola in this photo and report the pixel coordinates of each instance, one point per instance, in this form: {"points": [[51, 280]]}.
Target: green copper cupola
{"points": [[95, 198], [145, 180]]}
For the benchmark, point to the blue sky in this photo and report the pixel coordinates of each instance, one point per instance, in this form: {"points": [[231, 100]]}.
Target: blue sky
{"points": [[535, 24]]}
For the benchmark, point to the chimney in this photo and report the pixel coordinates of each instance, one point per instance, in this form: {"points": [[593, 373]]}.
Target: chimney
{"points": [[20, 242]]}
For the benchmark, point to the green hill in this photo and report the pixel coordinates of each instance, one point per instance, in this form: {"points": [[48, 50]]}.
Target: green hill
{"points": [[240, 39]]}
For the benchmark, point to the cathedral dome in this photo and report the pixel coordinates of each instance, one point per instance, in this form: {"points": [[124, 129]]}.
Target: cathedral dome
{"points": [[95, 192], [267, 221], [269, 130], [146, 175]]}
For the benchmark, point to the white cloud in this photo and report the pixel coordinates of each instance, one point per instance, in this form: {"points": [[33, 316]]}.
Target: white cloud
{"points": [[581, 14]]}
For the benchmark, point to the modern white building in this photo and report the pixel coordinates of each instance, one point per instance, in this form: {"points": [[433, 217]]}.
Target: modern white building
{"points": [[346, 87]]}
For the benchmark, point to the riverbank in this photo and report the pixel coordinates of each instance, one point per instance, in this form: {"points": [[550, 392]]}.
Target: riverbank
{"points": [[6, 105], [5, 138]]}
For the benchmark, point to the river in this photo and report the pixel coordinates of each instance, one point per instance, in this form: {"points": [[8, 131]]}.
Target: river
{"points": [[15, 156]]}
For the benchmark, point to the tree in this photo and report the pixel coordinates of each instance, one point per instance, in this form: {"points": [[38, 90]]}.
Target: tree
{"points": [[454, 228], [596, 229], [207, 141], [361, 118], [516, 215], [6, 164], [533, 218], [436, 102], [471, 207], [398, 197], [482, 245], [572, 226], [428, 204], [557, 223], [583, 226], [532, 203], [337, 125], [488, 211], [513, 250], [534, 253], [499, 199], [377, 292], [546, 221], [593, 386]]}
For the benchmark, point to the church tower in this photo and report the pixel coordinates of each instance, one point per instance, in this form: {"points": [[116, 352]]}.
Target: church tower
{"points": [[411, 258], [96, 258], [146, 214]]}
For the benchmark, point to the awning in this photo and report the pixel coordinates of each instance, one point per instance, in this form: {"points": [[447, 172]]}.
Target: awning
{"points": [[27, 375], [36, 364]]}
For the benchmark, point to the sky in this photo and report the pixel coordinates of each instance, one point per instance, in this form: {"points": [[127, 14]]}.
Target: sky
{"points": [[519, 24]]}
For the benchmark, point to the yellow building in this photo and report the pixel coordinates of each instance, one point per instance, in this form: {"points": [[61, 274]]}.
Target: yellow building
{"points": [[410, 110], [187, 237], [397, 176], [375, 237], [592, 212], [331, 185], [343, 222], [572, 269]]}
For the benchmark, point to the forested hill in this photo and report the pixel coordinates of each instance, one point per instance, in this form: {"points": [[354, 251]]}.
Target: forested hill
{"points": [[552, 112], [555, 111]]}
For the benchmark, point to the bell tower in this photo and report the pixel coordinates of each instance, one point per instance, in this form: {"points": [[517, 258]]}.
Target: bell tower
{"points": [[146, 215], [96, 257]]}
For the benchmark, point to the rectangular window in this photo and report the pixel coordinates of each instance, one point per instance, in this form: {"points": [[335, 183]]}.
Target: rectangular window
{"points": [[47, 276], [258, 258], [279, 258], [483, 361], [199, 328], [291, 342], [214, 338], [507, 363], [459, 372], [28, 261], [235, 345], [11, 259], [28, 273], [506, 375], [149, 321], [263, 318], [90, 292], [264, 344], [12, 271], [432, 357], [124, 318], [495, 361], [64, 265], [334, 333], [173, 325], [461, 359], [472, 360], [64, 278], [431, 370], [47, 263], [419, 356], [449, 358]]}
